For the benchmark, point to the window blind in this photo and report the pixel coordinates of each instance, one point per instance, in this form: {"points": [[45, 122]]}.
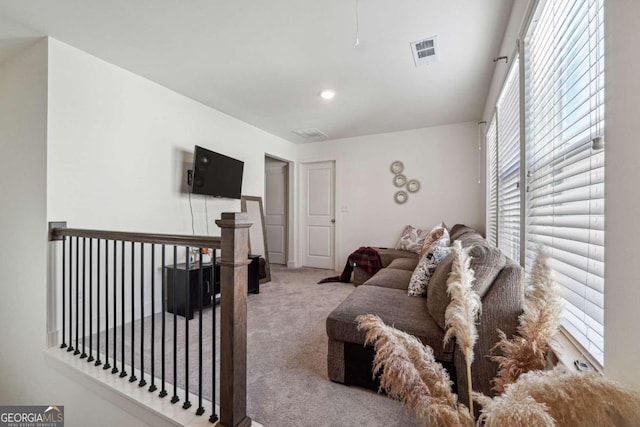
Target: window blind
{"points": [[492, 182], [508, 111], [564, 98]]}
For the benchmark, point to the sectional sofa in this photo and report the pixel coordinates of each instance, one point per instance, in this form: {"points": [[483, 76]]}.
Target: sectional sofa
{"points": [[498, 280]]}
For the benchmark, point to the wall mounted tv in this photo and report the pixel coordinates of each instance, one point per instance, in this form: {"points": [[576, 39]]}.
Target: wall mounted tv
{"points": [[216, 175]]}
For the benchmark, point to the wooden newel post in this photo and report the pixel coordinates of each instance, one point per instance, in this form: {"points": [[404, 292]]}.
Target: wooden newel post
{"points": [[233, 319]]}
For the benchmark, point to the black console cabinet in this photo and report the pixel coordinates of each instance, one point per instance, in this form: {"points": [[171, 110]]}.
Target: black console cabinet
{"points": [[210, 286], [253, 283], [176, 294]]}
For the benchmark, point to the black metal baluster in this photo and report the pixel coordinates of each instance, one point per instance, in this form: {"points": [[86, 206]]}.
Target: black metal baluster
{"points": [[84, 296], [123, 372], [64, 266], [98, 361], [163, 392], [153, 387], [133, 314], [90, 358], [214, 417], [106, 305], [200, 409], [142, 382], [77, 351], [175, 397], [187, 316], [70, 348], [115, 307]]}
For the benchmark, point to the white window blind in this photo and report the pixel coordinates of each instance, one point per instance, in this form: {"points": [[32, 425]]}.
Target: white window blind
{"points": [[508, 111], [492, 182], [564, 98]]}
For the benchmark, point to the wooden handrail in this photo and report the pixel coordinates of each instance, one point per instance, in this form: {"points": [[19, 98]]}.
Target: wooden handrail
{"points": [[234, 245], [214, 242]]}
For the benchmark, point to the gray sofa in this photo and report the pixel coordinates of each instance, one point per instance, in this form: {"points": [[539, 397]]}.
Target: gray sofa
{"points": [[498, 281]]}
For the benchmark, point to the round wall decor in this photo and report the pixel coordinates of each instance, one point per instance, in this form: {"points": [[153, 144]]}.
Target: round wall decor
{"points": [[413, 185], [399, 180], [397, 167], [400, 197]]}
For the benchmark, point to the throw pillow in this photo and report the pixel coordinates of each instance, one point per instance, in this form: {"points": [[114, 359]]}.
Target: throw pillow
{"points": [[412, 239], [419, 282], [436, 233]]}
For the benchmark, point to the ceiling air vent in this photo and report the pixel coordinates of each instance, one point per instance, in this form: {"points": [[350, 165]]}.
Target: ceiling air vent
{"points": [[425, 51], [312, 134]]}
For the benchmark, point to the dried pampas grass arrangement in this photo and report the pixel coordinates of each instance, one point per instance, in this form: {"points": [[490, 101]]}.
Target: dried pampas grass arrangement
{"points": [[464, 308], [531, 397], [563, 399], [538, 324], [411, 374]]}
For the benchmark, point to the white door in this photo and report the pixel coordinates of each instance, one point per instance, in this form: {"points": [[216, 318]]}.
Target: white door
{"points": [[318, 214], [276, 210]]}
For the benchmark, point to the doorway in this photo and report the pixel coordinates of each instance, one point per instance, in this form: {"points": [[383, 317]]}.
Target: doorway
{"points": [[318, 214], [276, 196]]}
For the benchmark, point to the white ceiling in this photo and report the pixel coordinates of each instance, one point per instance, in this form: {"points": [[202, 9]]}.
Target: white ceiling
{"points": [[265, 62]]}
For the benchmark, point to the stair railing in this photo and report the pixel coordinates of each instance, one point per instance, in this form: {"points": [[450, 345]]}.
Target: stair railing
{"points": [[121, 292]]}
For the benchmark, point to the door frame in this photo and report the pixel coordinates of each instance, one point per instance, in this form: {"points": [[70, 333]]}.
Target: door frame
{"points": [[291, 219], [287, 194], [337, 193]]}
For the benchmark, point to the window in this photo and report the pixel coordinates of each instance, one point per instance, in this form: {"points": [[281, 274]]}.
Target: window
{"points": [[562, 61], [508, 111], [503, 168], [564, 98], [492, 182]]}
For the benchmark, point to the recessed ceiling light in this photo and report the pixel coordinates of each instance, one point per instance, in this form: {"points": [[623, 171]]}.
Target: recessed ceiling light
{"points": [[327, 94]]}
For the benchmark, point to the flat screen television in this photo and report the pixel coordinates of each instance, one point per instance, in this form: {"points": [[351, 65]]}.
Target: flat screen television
{"points": [[216, 175]]}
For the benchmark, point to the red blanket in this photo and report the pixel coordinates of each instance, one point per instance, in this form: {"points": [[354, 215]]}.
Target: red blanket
{"points": [[364, 257]]}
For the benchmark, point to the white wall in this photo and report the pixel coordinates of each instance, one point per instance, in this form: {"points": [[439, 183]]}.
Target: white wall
{"points": [[95, 145], [25, 374], [444, 160], [622, 165], [507, 48], [116, 146]]}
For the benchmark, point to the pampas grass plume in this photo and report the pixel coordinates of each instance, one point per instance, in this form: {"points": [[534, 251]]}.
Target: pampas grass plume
{"points": [[411, 374], [538, 324], [463, 310], [564, 399]]}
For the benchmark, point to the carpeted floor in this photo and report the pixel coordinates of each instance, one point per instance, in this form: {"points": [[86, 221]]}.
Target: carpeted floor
{"points": [[287, 382], [287, 346]]}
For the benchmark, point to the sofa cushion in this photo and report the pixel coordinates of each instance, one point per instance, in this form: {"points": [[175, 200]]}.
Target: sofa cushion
{"points": [[423, 272], [486, 261], [390, 278], [437, 297], [387, 255], [395, 309], [458, 230], [434, 235], [412, 239], [408, 264], [472, 239]]}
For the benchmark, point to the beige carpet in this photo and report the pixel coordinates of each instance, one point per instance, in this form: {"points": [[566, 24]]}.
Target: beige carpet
{"points": [[287, 382], [287, 345]]}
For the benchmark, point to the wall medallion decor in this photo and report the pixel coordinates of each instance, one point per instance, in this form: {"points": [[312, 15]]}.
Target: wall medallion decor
{"points": [[397, 167], [413, 186], [400, 197], [400, 180]]}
